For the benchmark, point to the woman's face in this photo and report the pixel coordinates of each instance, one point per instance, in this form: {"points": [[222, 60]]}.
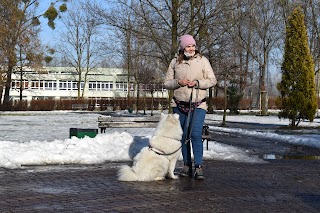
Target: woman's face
{"points": [[190, 50]]}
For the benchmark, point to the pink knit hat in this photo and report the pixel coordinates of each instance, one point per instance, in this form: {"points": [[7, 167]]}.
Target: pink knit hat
{"points": [[186, 40]]}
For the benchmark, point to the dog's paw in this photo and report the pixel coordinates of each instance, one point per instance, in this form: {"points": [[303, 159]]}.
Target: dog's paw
{"points": [[159, 178], [174, 177]]}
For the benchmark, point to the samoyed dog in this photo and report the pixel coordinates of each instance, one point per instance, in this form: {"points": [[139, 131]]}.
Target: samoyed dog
{"points": [[157, 161]]}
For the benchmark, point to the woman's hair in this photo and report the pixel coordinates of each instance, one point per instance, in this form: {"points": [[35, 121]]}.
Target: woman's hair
{"points": [[182, 57]]}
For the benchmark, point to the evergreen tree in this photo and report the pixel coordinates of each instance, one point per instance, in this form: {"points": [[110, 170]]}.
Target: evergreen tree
{"points": [[234, 98], [297, 87]]}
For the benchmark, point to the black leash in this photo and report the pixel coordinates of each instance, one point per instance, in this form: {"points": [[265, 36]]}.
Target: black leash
{"points": [[159, 152], [189, 132]]}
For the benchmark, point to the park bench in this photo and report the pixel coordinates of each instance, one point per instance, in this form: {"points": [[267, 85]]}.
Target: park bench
{"points": [[127, 122], [105, 122], [79, 106], [206, 135]]}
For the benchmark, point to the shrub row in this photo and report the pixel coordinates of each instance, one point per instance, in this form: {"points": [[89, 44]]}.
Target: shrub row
{"points": [[114, 104], [117, 104]]}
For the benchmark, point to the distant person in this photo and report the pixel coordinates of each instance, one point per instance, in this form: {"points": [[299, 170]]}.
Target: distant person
{"points": [[190, 75]]}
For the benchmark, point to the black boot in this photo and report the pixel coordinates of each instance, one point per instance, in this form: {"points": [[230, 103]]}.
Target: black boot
{"points": [[198, 174], [186, 170]]}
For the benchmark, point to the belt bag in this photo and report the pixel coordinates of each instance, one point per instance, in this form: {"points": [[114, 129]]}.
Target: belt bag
{"points": [[185, 106]]}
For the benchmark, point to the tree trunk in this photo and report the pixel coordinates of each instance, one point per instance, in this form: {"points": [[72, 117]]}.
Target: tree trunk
{"points": [[263, 92], [79, 87], [174, 36], [138, 94], [6, 99], [1, 92], [210, 102], [225, 103]]}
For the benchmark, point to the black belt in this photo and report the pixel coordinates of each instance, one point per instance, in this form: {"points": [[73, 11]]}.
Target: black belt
{"points": [[187, 104]]}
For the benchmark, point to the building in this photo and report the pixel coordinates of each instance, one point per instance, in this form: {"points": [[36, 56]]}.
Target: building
{"points": [[61, 83]]}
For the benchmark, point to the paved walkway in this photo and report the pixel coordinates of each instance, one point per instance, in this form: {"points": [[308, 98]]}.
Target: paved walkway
{"points": [[280, 185]]}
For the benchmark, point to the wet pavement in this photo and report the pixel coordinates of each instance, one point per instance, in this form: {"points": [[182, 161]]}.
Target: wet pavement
{"points": [[278, 185]]}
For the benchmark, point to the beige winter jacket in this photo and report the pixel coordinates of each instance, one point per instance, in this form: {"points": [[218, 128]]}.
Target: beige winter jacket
{"points": [[198, 68]]}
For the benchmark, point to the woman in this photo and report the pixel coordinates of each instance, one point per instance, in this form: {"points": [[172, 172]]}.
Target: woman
{"points": [[190, 75]]}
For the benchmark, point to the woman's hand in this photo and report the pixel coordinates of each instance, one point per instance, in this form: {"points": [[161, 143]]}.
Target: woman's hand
{"points": [[183, 82], [186, 82], [192, 84]]}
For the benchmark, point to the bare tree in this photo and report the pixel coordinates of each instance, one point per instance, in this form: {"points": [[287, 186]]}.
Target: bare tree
{"points": [[158, 26], [80, 42], [30, 54], [263, 29], [246, 32], [214, 26]]}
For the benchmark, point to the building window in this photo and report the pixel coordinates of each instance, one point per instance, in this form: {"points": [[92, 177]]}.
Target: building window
{"points": [[75, 85], [35, 84], [63, 85], [131, 87], [100, 86], [15, 84], [50, 85], [68, 85], [106, 86], [92, 85], [121, 86]]}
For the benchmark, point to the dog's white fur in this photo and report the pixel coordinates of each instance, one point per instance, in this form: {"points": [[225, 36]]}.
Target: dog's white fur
{"points": [[150, 166]]}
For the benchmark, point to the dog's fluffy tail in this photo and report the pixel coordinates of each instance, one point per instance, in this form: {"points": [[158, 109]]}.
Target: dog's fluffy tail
{"points": [[126, 174]]}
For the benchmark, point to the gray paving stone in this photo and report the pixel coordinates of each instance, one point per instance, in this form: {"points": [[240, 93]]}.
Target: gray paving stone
{"points": [[278, 186]]}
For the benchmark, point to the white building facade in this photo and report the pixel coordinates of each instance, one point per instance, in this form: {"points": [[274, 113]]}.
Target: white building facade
{"points": [[60, 83]]}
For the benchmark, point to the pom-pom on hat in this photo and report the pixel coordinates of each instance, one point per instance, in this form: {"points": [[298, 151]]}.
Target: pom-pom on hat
{"points": [[186, 40]]}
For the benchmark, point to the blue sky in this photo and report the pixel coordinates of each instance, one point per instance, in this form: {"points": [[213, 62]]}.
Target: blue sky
{"points": [[47, 35]]}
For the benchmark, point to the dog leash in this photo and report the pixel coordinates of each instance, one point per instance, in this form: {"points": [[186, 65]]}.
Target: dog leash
{"points": [[188, 139], [189, 131], [160, 152]]}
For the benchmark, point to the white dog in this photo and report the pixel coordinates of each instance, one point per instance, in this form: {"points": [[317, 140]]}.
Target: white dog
{"points": [[157, 161]]}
